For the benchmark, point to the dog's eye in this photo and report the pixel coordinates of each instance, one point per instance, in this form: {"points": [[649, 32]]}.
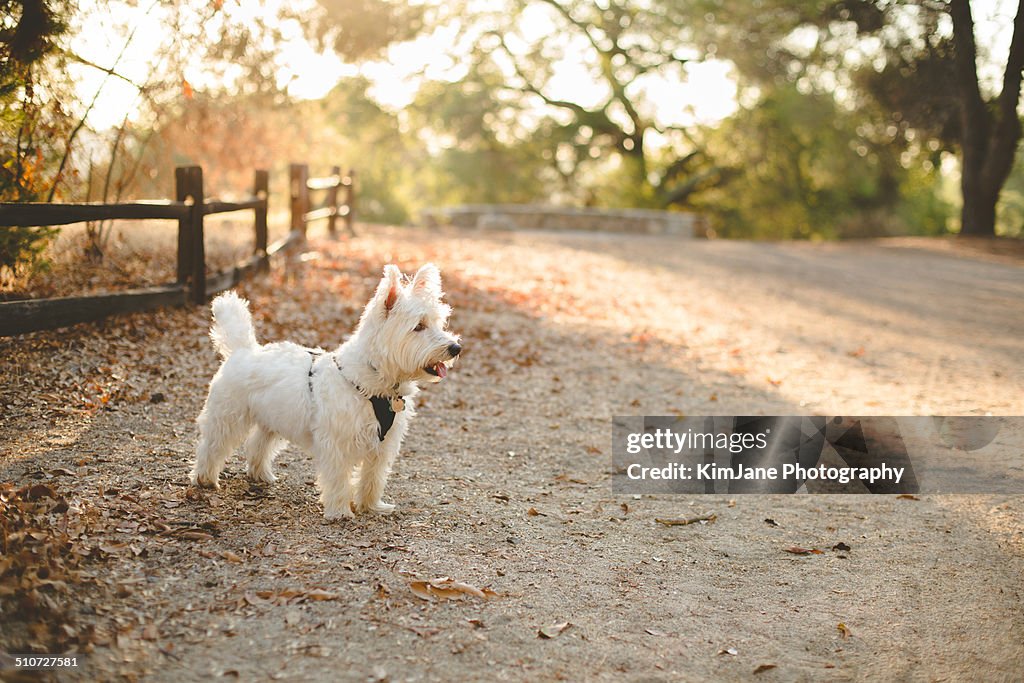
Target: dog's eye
{"points": [[419, 328]]}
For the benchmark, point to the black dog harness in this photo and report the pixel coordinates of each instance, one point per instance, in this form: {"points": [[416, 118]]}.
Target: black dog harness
{"points": [[384, 407]]}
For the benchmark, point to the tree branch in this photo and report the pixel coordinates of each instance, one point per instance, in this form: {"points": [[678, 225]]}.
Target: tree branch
{"points": [[82, 60], [95, 98], [605, 55], [713, 177], [678, 166], [595, 118], [581, 26]]}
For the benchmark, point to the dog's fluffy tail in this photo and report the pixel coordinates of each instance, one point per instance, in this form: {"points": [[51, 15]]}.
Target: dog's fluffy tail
{"points": [[232, 328]]}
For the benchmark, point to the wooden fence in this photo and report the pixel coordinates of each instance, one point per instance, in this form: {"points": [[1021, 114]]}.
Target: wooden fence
{"points": [[190, 208], [301, 185]]}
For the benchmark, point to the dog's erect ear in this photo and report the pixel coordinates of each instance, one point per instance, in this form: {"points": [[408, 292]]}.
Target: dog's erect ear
{"points": [[387, 290], [427, 280]]}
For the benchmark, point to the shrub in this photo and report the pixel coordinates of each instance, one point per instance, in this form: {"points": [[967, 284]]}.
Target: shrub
{"points": [[21, 249]]}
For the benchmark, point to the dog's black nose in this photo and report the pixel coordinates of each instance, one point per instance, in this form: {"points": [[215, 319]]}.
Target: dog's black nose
{"points": [[454, 350]]}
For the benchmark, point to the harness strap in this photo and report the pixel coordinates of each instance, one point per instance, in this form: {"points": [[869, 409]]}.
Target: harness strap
{"points": [[383, 406]]}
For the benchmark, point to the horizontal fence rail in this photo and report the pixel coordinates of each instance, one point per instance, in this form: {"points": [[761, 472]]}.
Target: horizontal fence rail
{"points": [[189, 208], [19, 317], [31, 214]]}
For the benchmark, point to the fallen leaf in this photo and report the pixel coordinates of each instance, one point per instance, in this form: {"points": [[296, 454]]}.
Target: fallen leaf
{"points": [[844, 630], [448, 589], [40, 491], [320, 595], [729, 651], [797, 550], [420, 590], [689, 520], [655, 632], [763, 668], [907, 496], [254, 600], [552, 630], [230, 556], [841, 547], [770, 522]]}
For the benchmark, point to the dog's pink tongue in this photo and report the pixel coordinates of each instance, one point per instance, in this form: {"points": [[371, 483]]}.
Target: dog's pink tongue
{"points": [[441, 369]]}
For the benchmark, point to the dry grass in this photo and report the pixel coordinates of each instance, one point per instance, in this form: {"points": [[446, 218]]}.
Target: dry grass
{"points": [[138, 254]]}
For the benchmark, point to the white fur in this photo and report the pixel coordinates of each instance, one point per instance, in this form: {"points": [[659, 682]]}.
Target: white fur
{"points": [[261, 394]]}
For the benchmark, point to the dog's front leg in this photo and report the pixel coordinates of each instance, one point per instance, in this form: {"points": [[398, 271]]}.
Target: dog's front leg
{"points": [[373, 478], [334, 473]]}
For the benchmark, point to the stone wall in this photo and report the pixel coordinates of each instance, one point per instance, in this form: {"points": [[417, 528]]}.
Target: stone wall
{"points": [[539, 217]]}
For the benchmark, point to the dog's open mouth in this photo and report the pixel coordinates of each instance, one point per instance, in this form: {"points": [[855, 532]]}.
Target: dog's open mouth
{"points": [[437, 370]]}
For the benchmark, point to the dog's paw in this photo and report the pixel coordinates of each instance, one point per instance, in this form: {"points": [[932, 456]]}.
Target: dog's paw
{"points": [[381, 508], [265, 476], [205, 481], [341, 512]]}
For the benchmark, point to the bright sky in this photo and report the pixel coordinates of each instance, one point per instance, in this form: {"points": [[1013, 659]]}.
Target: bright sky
{"points": [[706, 95]]}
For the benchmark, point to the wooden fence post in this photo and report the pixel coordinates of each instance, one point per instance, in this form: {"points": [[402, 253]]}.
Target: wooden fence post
{"points": [[191, 250], [181, 193], [332, 201], [261, 190], [350, 202], [298, 177]]}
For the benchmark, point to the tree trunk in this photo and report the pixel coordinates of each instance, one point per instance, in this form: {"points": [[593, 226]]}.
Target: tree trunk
{"points": [[978, 215], [988, 136]]}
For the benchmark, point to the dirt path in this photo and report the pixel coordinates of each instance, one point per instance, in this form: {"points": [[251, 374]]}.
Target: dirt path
{"points": [[504, 481]]}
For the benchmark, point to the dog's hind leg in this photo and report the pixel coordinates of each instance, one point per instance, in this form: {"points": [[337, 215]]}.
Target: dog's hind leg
{"points": [[220, 432], [260, 449]]}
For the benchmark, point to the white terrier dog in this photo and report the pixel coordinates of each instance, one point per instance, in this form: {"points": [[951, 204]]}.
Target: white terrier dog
{"points": [[350, 408]]}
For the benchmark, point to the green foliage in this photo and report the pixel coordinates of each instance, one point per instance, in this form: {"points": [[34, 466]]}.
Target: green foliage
{"points": [[29, 31], [591, 149], [1010, 219], [802, 170], [21, 249], [355, 131], [478, 156]]}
